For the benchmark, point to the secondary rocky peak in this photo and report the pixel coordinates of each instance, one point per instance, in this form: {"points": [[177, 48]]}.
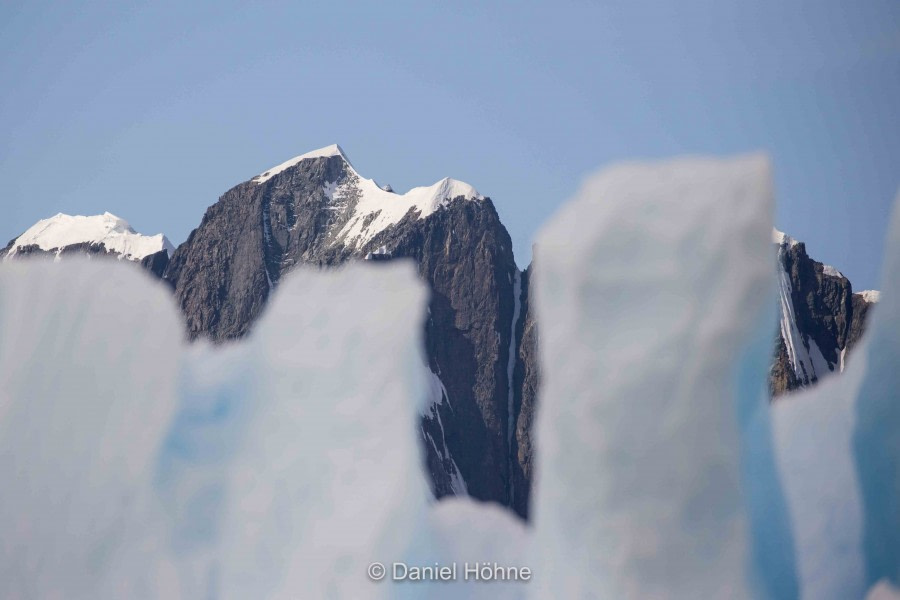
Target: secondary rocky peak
{"points": [[821, 319], [62, 232]]}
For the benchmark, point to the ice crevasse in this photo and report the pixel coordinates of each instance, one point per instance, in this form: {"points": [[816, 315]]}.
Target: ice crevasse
{"points": [[287, 463]]}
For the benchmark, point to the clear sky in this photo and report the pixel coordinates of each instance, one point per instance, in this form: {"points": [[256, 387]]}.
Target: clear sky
{"points": [[152, 110]]}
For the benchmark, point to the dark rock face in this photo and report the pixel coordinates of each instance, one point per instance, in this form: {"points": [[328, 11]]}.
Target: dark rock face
{"points": [[859, 317], [154, 263], [257, 232], [525, 385], [822, 324]]}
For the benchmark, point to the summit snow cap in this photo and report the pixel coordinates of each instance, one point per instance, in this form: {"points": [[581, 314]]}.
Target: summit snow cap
{"points": [[61, 230], [326, 152], [782, 239]]}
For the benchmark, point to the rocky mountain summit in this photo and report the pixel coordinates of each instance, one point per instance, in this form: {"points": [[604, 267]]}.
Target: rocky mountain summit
{"points": [[481, 338], [821, 318]]}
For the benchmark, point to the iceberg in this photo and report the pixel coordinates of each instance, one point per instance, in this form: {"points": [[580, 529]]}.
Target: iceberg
{"points": [[88, 356], [651, 286], [144, 468], [839, 452]]}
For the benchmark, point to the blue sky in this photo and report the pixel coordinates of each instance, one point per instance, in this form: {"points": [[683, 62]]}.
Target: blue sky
{"points": [[152, 111]]}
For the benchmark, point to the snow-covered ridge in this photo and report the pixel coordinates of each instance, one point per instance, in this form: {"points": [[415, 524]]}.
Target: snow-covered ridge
{"points": [[114, 233], [327, 151], [870, 295], [376, 208]]}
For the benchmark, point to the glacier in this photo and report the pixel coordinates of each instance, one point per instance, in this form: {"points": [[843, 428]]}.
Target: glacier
{"points": [[137, 465]]}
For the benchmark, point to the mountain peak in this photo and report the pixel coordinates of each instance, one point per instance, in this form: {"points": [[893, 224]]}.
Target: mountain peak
{"points": [[326, 152], [62, 230]]}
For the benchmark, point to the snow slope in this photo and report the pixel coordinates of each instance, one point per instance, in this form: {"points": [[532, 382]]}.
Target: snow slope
{"points": [[116, 234]]}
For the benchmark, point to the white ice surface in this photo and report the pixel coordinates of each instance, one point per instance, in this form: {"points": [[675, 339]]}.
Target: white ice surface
{"points": [[116, 234], [278, 467], [876, 436], [88, 359], [884, 591], [839, 451], [812, 432], [377, 208], [462, 530], [870, 295], [648, 288]]}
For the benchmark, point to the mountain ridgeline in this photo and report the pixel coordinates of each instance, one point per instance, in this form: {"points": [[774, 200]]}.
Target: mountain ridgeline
{"points": [[481, 337]]}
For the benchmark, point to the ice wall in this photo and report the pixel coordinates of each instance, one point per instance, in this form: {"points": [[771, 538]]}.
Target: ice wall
{"points": [[88, 355], [812, 433], [282, 466], [650, 284], [279, 467], [839, 451], [876, 439]]}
